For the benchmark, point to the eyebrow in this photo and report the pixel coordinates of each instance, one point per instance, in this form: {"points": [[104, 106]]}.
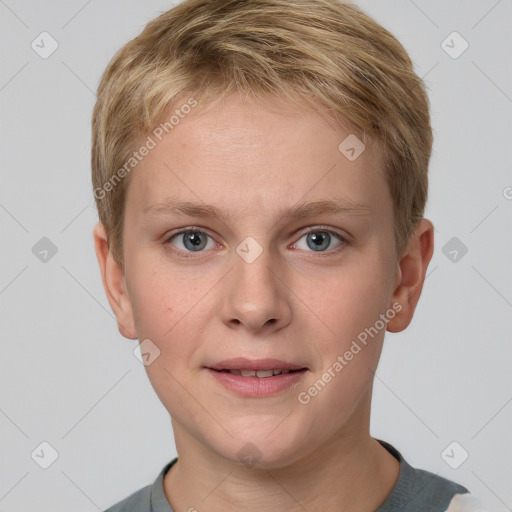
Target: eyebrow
{"points": [[298, 211]]}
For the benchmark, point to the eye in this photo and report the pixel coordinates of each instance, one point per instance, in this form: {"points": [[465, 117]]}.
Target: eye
{"points": [[315, 239], [191, 240], [318, 240]]}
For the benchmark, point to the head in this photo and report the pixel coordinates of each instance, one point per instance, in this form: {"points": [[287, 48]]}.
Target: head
{"points": [[292, 141]]}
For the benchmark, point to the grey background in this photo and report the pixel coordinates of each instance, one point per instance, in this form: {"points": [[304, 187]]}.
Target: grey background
{"points": [[68, 377]]}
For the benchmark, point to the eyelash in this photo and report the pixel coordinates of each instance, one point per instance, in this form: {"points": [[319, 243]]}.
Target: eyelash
{"points": [[315, 229]]}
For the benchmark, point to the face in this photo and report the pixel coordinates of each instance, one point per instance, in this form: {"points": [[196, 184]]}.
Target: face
{"points": [[249, 236]]}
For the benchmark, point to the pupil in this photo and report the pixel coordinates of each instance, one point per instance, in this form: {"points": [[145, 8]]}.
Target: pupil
{"points": [[319, 240], [195, 239]]}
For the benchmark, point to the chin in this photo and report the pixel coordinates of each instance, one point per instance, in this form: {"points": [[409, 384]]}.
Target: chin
{"points": [[258, 450]]}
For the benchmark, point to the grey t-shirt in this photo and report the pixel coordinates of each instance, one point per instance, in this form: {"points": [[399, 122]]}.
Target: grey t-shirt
{"points": [[415, 491]]}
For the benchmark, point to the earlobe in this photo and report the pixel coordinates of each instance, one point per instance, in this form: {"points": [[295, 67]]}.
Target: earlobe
{"points": [[114, 284], [411, 273]]}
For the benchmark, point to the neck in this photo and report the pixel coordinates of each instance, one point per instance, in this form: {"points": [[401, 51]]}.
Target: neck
{"points": [[350, 471]]}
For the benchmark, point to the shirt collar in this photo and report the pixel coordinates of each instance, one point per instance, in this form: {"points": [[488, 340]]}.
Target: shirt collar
{"points": [[159, 502]]}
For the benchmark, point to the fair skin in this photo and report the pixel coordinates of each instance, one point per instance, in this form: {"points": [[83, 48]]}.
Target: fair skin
{"points": [[292, 303]]}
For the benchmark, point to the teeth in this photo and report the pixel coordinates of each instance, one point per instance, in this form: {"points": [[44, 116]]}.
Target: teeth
{"points": [[258, 373], [264, 373]]}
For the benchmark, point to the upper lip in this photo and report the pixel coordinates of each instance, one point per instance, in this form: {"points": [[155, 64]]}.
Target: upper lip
{"points": [[241, 363]]}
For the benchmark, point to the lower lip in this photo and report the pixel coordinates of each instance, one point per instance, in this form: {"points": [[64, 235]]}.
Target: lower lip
{"points": [[257, 386]]}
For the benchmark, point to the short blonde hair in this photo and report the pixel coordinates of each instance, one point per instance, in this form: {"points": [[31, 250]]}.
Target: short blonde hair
{"points": [[328, 53]]}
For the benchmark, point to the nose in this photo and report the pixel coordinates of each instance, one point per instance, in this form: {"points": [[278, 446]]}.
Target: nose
{"points": [[255, 295]]}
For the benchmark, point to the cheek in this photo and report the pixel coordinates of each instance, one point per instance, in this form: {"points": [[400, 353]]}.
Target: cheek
{"points": [[350, 336], [161, 297], [168, 311], [344, 303], [175, 309]]}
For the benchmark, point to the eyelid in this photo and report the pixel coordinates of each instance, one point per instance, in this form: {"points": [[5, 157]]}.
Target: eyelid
{"points": [[314, 229], [186, 229]]}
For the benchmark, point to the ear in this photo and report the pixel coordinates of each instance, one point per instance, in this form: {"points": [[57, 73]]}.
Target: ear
{"points": [[411, 274], [114, 283]]}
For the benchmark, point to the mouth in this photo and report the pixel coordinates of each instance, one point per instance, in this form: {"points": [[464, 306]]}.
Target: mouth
{"points": [[259, 373], [262, 368], [257, 377]]}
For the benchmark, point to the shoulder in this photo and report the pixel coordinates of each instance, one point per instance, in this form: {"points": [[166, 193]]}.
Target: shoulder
{"points": [[138, 501], [426, 486], [148, 499], [418, 490]]}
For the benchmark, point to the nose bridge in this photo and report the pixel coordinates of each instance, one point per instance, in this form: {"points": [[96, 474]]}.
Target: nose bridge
{"points": [[254, 272], [254, 296]]}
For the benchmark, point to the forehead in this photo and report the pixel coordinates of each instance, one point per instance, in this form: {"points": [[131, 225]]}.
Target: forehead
{"points": [[258, 158]]}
